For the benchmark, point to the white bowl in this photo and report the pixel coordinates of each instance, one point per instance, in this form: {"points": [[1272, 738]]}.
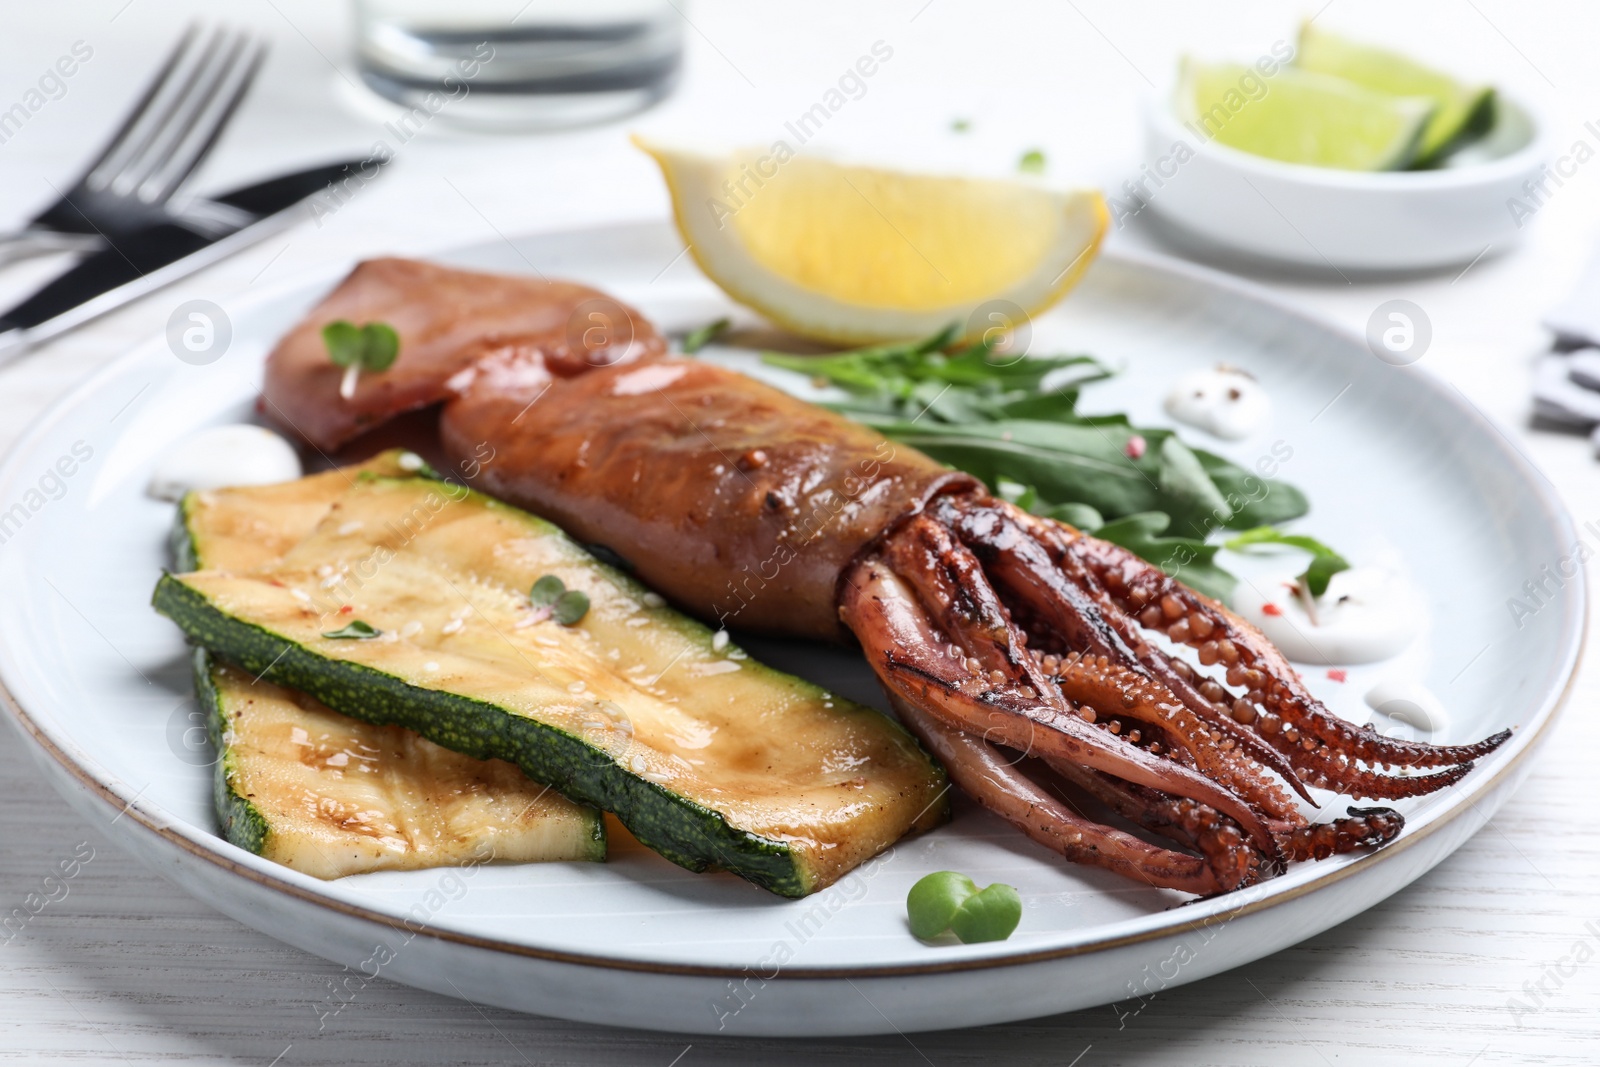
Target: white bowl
{"points": [[1321, 217]]}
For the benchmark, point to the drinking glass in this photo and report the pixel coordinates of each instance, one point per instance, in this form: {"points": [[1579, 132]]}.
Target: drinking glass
{"points": [[520, 63]]}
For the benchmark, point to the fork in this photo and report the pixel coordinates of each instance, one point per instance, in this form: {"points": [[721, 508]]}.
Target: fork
{"points": [[160, 144]]}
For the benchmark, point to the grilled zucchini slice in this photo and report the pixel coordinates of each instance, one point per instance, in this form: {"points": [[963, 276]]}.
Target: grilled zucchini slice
{"points": [[328, 795], [708, 757]]}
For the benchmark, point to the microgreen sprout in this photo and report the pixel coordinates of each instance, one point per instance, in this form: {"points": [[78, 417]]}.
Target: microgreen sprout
{"points": [[372, 347], [355, 630], [551, 595]]}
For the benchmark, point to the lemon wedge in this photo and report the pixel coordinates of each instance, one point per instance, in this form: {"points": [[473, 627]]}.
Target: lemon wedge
{"points": [[856, 255]]}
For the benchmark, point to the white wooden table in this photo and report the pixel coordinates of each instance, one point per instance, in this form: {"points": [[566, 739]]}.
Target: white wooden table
{"points": [[127, 969]]}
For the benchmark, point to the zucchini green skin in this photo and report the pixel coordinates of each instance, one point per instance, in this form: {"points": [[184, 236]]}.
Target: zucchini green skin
{"points": [[685, 832], [241, 822], [180, 539]]}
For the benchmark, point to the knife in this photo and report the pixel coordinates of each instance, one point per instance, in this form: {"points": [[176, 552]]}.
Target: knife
{"points": [[159, 255]]}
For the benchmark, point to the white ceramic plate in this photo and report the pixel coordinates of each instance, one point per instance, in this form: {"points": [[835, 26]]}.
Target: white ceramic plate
{"points": [[1395, 462]]}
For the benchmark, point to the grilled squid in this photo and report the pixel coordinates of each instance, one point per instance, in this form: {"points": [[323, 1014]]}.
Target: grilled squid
{"points": [[1111, 713]]}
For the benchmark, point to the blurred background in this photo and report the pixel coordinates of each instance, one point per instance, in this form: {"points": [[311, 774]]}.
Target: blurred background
{"points": [[970, 87]]}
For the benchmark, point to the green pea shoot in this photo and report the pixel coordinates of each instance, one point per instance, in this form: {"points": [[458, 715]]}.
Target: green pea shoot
{"points": [[948, 900]]}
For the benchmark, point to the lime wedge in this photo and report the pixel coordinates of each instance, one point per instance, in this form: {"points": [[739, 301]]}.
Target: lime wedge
{"points": [[1300, 117], [1463, 112]]}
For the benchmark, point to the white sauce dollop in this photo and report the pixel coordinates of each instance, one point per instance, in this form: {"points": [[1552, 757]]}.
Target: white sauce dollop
{"points": [[1409, 702], [221, 456], [1223, 400], [1367, 614]]}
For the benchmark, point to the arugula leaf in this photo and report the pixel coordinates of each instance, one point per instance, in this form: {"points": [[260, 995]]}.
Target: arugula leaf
{"points": [[698, 339], [1188, 488], [1188, 559], [1062, 461], [1325, 562], [977, 365], [1059, 404], [908, 380], [1256, 501], [1014, 424], [1025, 497], [1084, 462], [871, 370], [997, 419], [1082, 516]]}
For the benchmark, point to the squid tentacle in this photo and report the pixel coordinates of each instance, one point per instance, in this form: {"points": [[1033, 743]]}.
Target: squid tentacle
{"points": [[1179, 819], [1008, 637], [1326, 773], [1188, 822], [1012, 555], [1361, 828], [1279, 706], [952, 588], [885, 615], [981, 770], [1177, 676], [1100, 684]]}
